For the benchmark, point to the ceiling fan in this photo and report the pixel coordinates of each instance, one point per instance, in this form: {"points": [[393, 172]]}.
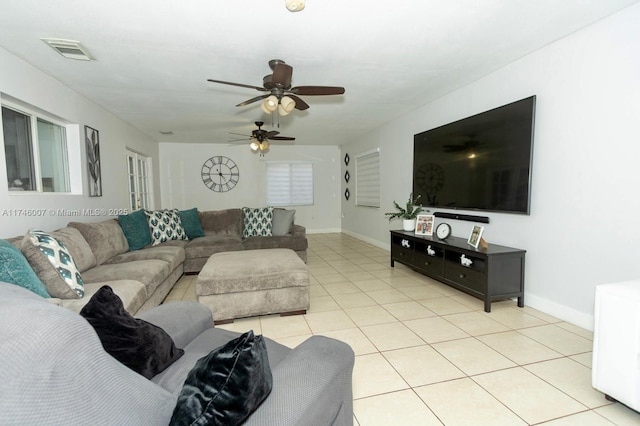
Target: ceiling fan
{"points": [[279, 95], [260, 138]]}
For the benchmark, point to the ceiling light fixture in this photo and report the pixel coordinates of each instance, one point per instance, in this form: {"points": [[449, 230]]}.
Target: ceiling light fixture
{"points": [[260, 145], [70, 49], [270, 104], [287, 105], [294, 5]]}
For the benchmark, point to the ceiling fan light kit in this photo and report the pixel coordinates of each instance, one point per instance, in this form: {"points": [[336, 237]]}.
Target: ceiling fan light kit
{"points": [[270, 104], [294, 5], [287, 105]]}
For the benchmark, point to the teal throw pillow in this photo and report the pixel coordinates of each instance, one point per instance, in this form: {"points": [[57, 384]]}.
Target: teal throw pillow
{"points": [[136, 229], [191, 223], [257, 222], [15, 269]]}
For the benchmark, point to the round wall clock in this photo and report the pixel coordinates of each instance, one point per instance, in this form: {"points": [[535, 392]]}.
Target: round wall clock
{"points": [[443, 231], [220, 174], [430, 176]]}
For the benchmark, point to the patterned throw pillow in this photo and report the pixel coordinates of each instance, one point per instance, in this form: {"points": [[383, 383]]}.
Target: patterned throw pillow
{"points": [[257, 222], [61, 261], [165, 225]]}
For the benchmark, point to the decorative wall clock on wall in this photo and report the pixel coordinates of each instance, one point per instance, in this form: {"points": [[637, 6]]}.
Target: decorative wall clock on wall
{"points": [[220, 174]]}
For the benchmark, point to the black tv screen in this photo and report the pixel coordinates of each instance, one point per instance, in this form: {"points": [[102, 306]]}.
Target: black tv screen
{"points": [[481, 162]]}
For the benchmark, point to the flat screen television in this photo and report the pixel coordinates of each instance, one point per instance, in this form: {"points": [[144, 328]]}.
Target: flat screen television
{"points": [[482, 162]]}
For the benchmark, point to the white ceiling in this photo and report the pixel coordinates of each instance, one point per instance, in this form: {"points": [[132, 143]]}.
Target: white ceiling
{"points": [[153, 57]]}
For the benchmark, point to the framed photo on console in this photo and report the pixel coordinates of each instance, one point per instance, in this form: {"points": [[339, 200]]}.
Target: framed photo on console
{"points": [[475, 236], [424, 224]]}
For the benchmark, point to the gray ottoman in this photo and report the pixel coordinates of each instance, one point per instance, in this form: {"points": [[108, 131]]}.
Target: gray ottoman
{"points": [[238, 284]]}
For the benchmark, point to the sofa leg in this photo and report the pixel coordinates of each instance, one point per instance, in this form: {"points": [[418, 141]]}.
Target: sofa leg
{"points": [[287, 314]]}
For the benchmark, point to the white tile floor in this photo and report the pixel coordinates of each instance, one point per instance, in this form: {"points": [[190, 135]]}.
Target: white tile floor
{"points": [[427, 354]]}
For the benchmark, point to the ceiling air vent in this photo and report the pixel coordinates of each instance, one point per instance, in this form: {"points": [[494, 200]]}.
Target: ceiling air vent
{"points": [[69, 48]]}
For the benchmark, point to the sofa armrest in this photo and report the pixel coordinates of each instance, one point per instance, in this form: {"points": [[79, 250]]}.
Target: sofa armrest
{"points": [[183, 321], [311, 385], [298, 230]]}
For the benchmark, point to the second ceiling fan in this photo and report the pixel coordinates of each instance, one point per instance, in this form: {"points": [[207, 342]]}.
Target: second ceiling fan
{"points": [[279, 95], [259, 139]]}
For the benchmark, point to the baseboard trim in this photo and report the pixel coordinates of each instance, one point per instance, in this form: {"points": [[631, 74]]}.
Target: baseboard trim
{"points": [[559, 311]]}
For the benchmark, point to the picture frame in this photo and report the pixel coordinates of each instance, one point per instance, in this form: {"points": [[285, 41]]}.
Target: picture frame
{"points": [[475, 236], [94, 172], [424, 224]]}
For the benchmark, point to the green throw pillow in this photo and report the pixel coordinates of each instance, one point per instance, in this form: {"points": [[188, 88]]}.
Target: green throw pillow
{"points": [[191, 223], [15, 269], [136, 229]]}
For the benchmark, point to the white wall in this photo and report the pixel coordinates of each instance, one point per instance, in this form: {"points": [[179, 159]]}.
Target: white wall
{"points": [[583, 227], [182, 186], [22, 81]]}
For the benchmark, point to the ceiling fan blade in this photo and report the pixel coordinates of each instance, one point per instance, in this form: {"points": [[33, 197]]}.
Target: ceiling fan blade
{"points": [[271, 134], [282, 75], [317, 90], [282, 138], [252, 100], [300, 104], [248, 86], [239, 134]]}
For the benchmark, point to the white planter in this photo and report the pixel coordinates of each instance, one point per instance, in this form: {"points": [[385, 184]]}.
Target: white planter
{"points": [[409, 224]]}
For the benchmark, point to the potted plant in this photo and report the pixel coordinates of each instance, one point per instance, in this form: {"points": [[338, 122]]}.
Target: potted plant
{"points": [[408, 214]]}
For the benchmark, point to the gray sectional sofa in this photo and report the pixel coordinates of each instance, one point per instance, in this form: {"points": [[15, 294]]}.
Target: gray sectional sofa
{"points": [[143, 278], [55, 370]]}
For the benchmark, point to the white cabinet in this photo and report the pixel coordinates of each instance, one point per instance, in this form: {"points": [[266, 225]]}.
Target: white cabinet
{"points": [[616, 342]]}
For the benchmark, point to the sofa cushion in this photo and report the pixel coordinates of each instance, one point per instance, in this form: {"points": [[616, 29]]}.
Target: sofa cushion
{"points": [[165, 225], [145, 348], [136, 229], [173, 255], [78, 247], [191, 223], [15, 269], [227, 385], [282, 221], [210, 244], [257, 221], [132, 293], [53, 264], [285, 241], [227, 222], [105, 238], [151, 273]]}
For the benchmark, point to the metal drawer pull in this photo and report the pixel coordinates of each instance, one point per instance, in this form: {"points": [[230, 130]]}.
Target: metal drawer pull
{"points": [[405, 243], [461, 276]]}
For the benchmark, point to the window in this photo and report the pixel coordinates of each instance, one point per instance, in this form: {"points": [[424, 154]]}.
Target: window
{"points": [[368, 179], [35, 148], [140, 181], [289, 183]]}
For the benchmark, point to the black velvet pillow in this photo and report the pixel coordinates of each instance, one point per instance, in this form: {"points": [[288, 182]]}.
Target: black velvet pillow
{"points": [[226, 386], [143, 347]]}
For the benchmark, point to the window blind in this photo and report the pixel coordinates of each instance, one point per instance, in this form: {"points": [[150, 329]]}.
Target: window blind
{"points": [[289, 183], [368, 179]]}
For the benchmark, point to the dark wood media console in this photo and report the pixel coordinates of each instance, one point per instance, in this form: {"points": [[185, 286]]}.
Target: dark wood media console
{"points": [[492, 273]]}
